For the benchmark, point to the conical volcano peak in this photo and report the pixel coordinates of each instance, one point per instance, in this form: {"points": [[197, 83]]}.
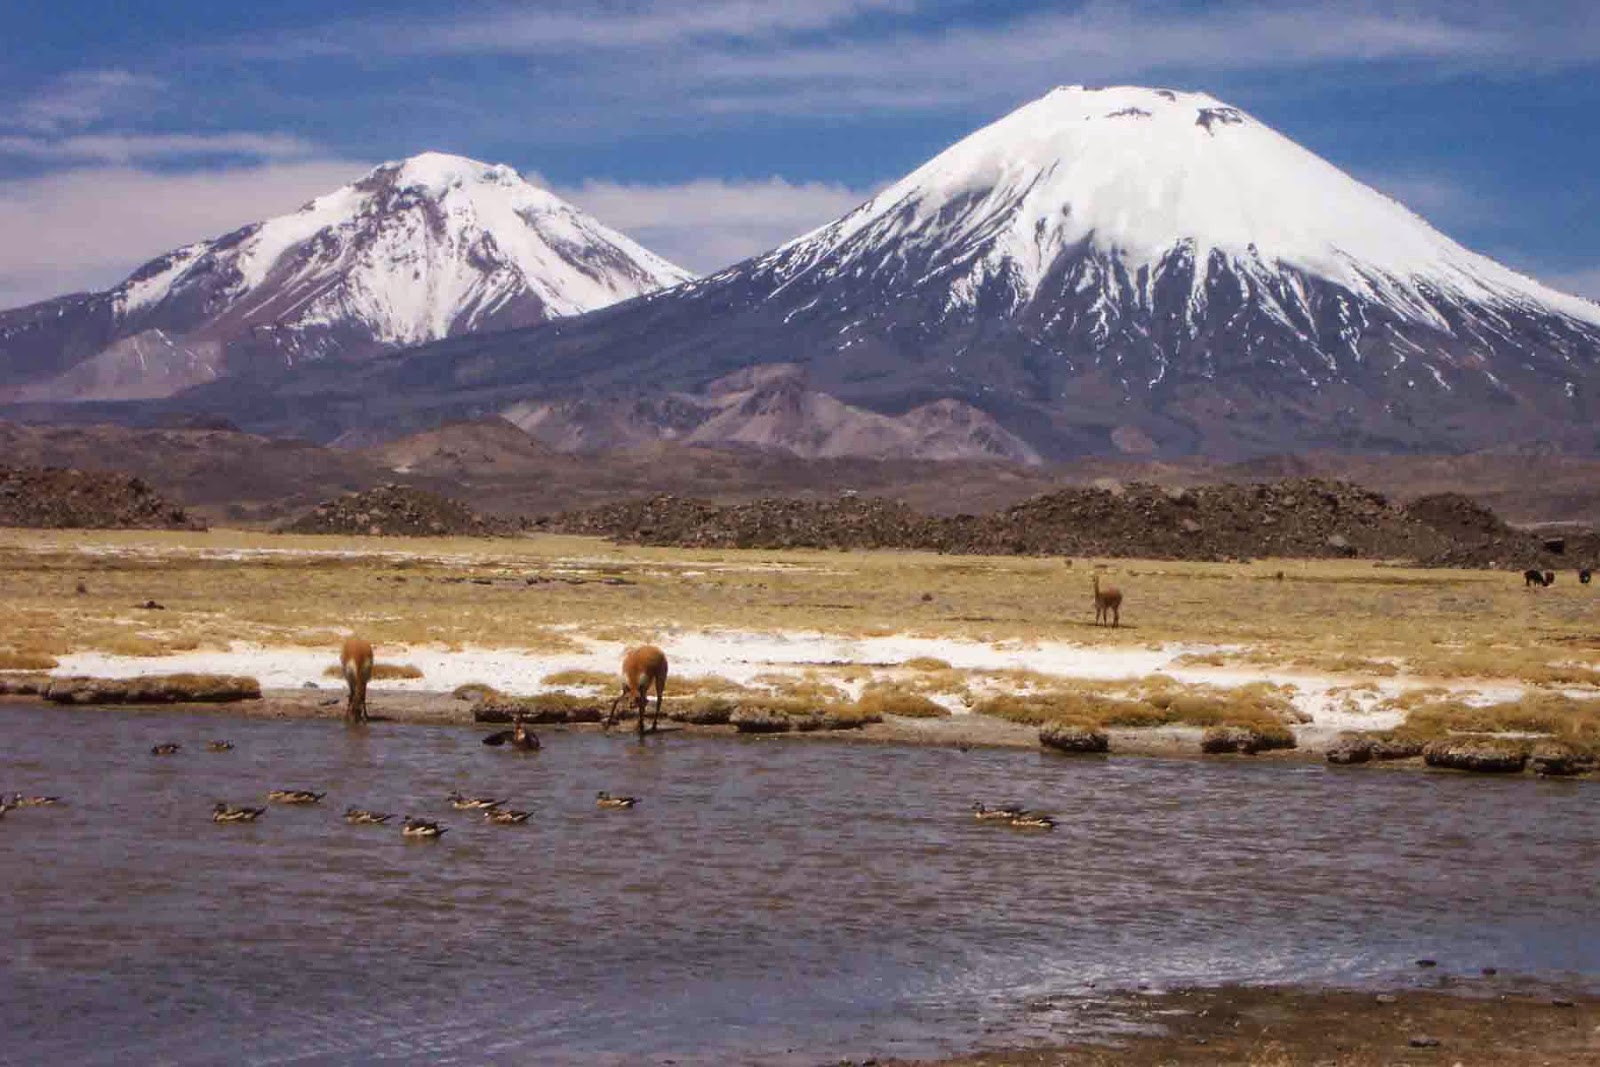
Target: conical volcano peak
{"points": [[1146, 179], [436, 172]]}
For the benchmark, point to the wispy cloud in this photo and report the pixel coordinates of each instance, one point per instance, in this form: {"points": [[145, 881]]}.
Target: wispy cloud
{"points": [[725, 57], [88, 228], [82, 98], [133, 147], [708, 224]]}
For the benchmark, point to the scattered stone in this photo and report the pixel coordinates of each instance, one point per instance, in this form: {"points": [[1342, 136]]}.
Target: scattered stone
{"points": [[1388, 998], [153, 689], [1427, 963], [1487, 755], [1246, 740], [1350, 750], [1066, 737], [1424, 1042], [1560, 758], [1563, 1002], [1490, 972], [151, 605]]}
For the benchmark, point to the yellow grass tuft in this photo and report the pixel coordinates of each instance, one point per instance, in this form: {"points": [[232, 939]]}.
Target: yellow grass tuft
{"points": [[381, 672], [886, 698], [15, 660]]}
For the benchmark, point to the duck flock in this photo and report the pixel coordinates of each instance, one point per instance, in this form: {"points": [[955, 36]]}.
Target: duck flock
{"points": [[492, 809]]}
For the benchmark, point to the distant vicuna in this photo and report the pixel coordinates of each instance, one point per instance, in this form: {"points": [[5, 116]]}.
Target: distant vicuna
{"points": [[642, 668], [1107, 604], [355, 663]]}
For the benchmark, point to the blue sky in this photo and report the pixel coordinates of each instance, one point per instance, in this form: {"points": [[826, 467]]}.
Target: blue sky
{"points": [[711, 130]]}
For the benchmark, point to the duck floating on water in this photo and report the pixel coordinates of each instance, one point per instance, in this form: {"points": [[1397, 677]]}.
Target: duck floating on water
{"points": [[17, 800], [166, 748], [465, 803], [421, 828], [505, 816], [1004, 814], [219, 746], [225, 812], [1031, 821], [294, 796], [603, 799], [363, 817]]}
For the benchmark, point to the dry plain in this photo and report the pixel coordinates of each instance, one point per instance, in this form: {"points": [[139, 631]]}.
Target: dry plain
{"points": [[953, 648]]}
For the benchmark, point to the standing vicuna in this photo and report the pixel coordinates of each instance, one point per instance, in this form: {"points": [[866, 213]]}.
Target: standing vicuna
{"points": [[355, 663], [1107, 604], [642, 668]]}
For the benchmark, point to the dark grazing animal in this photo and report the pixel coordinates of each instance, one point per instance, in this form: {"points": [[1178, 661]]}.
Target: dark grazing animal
{"points": [[1583, 576], [1549, 577], [1533, 577]]}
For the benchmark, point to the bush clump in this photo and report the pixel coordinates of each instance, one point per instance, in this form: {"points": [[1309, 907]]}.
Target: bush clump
{"points": [[543, 708], [19, 660], [1485, 755], [1246, 740], [1073, 737]]}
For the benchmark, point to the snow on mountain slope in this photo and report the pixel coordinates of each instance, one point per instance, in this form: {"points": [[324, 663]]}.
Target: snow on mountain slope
{"points": [[417, 250], [1138, 174]]}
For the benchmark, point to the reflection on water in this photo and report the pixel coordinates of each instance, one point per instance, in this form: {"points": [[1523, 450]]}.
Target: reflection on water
{"points": [[768, 901]]}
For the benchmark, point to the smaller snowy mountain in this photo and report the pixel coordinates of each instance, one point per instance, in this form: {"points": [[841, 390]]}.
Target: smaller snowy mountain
{"points": [[417, 250]]}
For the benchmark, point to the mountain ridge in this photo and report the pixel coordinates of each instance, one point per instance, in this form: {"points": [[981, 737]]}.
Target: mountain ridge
{"points": [[416, 250]]}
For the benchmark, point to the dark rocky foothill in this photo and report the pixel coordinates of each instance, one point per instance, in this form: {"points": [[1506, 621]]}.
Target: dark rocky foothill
{"points": [[398, 511], [65, 498], [1301, 518]]}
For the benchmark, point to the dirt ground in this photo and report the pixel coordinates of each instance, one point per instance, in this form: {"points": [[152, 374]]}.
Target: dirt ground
{"points": [[1482, 1022]]}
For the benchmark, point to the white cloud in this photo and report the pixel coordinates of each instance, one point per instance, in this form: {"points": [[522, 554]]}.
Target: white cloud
{"points": [[87, 229], [82, 98], [132, 147], [708, 224]]}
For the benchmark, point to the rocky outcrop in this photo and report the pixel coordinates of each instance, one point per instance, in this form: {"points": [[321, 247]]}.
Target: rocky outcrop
{"points": [[764, 720], [1364, 748], [1560, 759], [1245, 740], [67, 498], [397, 511], [154, 689], [1068, 737], [1484, 755], [544, 708]]}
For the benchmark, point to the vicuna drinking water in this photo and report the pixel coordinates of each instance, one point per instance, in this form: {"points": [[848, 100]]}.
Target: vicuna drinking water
{"points": [[642, 668], [1107, 604], [355, 663]]}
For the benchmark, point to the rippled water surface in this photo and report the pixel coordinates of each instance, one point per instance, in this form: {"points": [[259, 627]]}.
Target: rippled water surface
{"points": [[768, 901]]}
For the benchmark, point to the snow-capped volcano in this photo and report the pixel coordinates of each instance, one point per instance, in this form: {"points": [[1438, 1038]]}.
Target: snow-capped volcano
{"points": [[1152, 182], [1119, 269], [417, 250]]}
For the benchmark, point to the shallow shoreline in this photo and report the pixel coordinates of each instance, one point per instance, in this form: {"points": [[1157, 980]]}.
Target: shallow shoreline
{"points": [[1480, 1020], [963, 732]]}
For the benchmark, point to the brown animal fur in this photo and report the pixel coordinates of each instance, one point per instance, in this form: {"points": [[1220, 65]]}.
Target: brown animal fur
{"points": [[642, 668], [355, 662], [1107, 604]]}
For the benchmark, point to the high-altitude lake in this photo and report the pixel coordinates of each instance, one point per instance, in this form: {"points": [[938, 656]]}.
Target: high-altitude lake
{"points": [[768, 901]]}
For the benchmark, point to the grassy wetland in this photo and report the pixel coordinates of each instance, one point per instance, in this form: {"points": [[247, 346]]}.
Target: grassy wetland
{"points": [[924, 636]]}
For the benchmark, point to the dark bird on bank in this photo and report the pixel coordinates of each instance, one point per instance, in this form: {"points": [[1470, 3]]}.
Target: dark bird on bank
{"points": [[518, 737]]}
